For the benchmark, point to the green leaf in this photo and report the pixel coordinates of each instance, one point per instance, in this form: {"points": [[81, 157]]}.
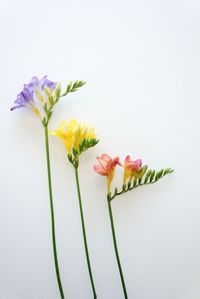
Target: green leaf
{"points": [[45, 108], [141, 171], [92, 142], [70, 158], [87, 143], [167, 171], [147, 176], [56, 93], [144, 169], [72, 87], [76, 163], [152, 176], [135, 182], [157, 176], [83, 142], [51, 100], [129, 185], [161, 173], [82, 146], [44, 122], [69, 87], [140, 180], [75, 152], [50, 112]]}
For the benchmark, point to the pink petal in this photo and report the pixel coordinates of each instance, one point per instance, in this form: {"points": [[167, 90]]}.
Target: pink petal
{"points": [[127, 159], [99, 170], [116, 160], [102, 162], [106, 157], [111, 164], [131, 165], [138, 162], [120, 163]]}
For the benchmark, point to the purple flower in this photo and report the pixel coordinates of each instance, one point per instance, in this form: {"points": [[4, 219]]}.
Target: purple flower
{"points": [[31, 91], [23, 98]]}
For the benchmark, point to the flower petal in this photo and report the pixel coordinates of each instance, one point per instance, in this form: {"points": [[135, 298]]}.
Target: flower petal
{"points": [[138, 163], [127, 159], [99, 170], [102, 162], [120, 163], [105, 157]]}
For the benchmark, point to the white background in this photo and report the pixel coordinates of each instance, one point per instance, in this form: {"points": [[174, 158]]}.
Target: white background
{"points": [[141, 62]]}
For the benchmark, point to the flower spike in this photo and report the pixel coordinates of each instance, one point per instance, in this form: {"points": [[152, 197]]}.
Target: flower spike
{"points": [[137, 175], [77, 138], [41, 95]]}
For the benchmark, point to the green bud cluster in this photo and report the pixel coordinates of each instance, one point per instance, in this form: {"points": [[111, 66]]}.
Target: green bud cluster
{"points": [[54, 97], [83, 146], [143, 177], [72, 87], [86, 144]]}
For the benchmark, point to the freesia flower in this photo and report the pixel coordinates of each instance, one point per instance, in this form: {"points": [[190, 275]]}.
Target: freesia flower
{"points": [[130, 168], [107, 167], [34, 93], [41, 95], [78, 137], [74, 134]]}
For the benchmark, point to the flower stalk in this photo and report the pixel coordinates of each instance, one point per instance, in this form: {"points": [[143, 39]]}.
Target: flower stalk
{"points": [[52, 214], [135, 175], [84, 231], [78, 137], [40, 96], [115, 246]]}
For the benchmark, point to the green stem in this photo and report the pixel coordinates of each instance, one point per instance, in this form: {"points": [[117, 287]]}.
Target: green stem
{"points": [[52, 215], [115, 247], [84, 233]]}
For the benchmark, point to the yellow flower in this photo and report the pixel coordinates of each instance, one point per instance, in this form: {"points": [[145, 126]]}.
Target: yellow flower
{"points": [[73, 133]]}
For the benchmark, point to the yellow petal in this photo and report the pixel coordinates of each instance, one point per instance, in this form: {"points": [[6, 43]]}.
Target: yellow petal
{"points": [[36, 111]]}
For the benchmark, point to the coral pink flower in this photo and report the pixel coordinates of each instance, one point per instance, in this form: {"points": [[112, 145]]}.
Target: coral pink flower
{"points": [[107, 167], [130, 168]]}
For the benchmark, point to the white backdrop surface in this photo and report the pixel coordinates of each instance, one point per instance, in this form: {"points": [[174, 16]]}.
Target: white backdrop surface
{"points": [[141, 62]]}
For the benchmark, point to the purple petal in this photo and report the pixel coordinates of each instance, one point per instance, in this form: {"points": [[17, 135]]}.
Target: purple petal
{"points": [[32, 84], [23, 98], [16, 107], [47, 83]]}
